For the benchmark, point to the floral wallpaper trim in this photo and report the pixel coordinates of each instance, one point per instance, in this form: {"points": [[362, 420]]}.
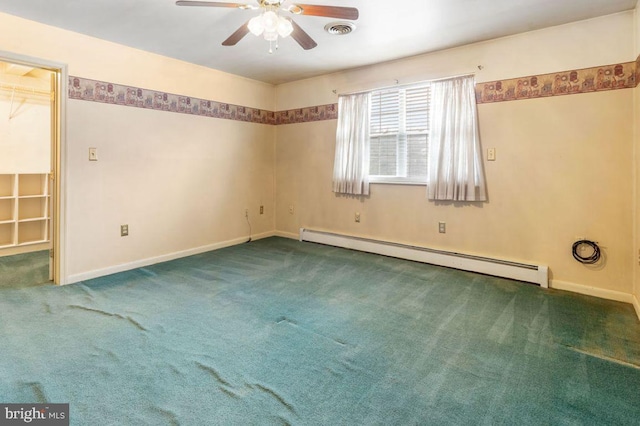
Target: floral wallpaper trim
{"points": [[608, 77], [117, 94]]}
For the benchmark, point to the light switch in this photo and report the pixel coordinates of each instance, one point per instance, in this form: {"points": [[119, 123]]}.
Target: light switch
{"points": [[93, 154], [491, 154]]}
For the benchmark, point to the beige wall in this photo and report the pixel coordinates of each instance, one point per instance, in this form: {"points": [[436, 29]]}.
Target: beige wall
{"points": [[179, 181], [563, 166]]}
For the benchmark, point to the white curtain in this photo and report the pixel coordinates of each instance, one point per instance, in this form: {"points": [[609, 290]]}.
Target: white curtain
{"points": [[455, 156], [351, 164]]}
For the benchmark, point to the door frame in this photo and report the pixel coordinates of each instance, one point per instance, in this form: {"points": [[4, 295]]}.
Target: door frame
{"points": [[58, 157]]}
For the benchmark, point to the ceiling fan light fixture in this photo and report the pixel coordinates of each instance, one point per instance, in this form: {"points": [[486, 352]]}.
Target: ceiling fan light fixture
{"points": [[256, 26], [270, 26], [285, 28], [270, 21]]}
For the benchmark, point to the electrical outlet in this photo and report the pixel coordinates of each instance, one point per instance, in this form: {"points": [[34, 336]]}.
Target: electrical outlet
{"points": [[124, 230], [442, 227], [246, 213], [93, 154], [261, 209], [357, 217], [291, 209]]}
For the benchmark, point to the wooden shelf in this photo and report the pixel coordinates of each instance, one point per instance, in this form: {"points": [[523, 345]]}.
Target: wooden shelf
{"points": [[32, 219], [32, 184], [31, 232], [6, 234], [7, 209], [7, 185], [30, 208], [24, 209]]}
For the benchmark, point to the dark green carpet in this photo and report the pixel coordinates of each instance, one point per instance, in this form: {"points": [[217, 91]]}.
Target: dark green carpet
{"points": [[282, 332], [25, 270]]}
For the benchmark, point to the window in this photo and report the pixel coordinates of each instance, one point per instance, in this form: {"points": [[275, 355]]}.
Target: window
{"points": [[399, 134], [419, 134]]}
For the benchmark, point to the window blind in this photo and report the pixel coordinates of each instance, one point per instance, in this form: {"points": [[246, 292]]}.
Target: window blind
{"points": [[399, 122]]}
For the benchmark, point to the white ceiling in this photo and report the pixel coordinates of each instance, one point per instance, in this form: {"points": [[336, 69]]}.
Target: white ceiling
{"points": [[386, 29]]}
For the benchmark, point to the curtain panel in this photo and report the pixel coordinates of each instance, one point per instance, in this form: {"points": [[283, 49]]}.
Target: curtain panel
{"points": [[455, 157], [351, 164]]}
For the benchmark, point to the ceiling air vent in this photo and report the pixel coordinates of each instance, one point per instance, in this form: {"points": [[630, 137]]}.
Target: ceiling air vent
{"points": [[339, 28]]}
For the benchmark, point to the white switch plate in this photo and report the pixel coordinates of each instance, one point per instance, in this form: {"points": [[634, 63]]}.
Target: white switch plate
{"points": [[491, 154], [93, 154]]}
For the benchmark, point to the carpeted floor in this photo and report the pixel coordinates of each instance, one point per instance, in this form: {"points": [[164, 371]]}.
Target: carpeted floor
{"points": [[25, 270], [282, 332]]}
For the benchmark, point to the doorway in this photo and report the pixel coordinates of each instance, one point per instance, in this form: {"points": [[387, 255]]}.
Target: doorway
{"points": [[31, 105]]}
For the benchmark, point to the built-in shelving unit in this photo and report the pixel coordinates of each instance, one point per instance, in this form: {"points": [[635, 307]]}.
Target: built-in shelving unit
{"points": [[24, 209]]}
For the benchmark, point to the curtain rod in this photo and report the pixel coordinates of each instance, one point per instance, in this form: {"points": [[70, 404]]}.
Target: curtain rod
{"points": [[407, 84]]}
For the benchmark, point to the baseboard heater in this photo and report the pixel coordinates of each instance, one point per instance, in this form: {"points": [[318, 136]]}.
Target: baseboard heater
{"points": [[537, 274]]}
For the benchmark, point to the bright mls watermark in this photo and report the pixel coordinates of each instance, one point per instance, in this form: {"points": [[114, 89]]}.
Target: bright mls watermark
{"points": [[34, 414]]}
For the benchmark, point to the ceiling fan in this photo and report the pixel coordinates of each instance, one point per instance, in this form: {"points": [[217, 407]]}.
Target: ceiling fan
{"points": [[271, 25]]}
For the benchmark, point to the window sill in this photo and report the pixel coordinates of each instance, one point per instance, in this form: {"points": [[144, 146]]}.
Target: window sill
{"points": [[392, 181]]}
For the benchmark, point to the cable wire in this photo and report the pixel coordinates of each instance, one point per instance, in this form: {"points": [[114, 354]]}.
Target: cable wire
{"points": [[587, 260], [246, 214]]}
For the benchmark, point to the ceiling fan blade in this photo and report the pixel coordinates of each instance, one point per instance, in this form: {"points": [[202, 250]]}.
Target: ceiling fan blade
{"points": [[303, 39], [237, 35], [350, 13], [214, 4]]}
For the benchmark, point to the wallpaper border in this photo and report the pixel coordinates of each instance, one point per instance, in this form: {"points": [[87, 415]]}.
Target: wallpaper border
{"points": [[572, 82], [117, 94], [625, 75]]}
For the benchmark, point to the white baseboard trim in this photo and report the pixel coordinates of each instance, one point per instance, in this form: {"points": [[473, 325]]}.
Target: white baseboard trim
{"points": [[290, 235], [636, 304], [263, 235], [162, 258], [592, 291]]}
